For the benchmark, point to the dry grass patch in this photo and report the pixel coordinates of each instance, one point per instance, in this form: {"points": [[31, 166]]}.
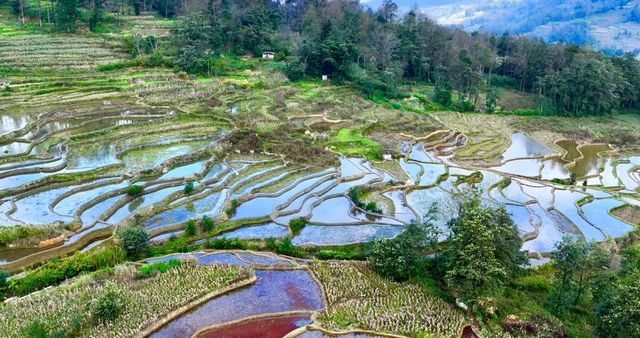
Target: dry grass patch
{"points": [[628, 213]]}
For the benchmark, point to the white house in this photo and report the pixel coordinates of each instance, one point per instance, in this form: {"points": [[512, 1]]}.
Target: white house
{"points": [[268, 55]]}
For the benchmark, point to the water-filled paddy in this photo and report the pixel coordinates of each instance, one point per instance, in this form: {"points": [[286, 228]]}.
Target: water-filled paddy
{"points": [[270, 230], [275, 291], [282, 193], [523, 146], [344, 234], [264, 206], [270, 327]]}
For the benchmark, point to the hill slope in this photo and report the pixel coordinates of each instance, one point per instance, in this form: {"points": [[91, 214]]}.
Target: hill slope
{"points": [[609, 25]]}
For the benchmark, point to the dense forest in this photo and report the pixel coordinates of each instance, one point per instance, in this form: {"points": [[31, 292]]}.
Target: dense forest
{"points": [[376, 51]]}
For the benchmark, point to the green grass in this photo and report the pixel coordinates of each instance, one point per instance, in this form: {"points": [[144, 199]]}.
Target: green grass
{"points": [[351, 143]]}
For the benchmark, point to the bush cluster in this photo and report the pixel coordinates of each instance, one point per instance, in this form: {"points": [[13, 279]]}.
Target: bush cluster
{"points": [[57, 270]]}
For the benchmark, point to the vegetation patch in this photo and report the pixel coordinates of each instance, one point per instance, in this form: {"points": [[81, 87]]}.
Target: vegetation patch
{"points": [[628, 213], [124, 303], [359, 298], [57, 270], [351, 143]]}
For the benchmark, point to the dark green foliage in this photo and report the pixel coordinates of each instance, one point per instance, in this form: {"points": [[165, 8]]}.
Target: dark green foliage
{"points": [[618, 314], [578, 263], [66, 15], [109, 67], [173, 245], [443, 96], [3, 283], [150, 270], [356, 194], [135, 241], [231, 210], [285, 247], [483, 251], [57, 270], [341, 255], [207, 224], [492, 100], [295, 70], [188, 188], [225, 244], [190, 228], [166, 8], [561, 181], [396, 258], [617, 298], [96, 14], [39, 330], [297, 224], [109, 305], [135, 190]]}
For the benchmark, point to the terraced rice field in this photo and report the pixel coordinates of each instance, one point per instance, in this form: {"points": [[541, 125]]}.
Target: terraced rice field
{"points": [[74, 142]]}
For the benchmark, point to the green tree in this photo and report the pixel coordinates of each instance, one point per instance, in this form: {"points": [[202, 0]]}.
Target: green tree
{"points": [[207, 224], [578, 89], [483, 251], [135, 241], [492, 99], [618, 314], [578, 263], [297, 224], [190, 228], [188, 188], [135, 190], [66, 15], [397, 258], [96, 14], [4, 284], [109, 305]]}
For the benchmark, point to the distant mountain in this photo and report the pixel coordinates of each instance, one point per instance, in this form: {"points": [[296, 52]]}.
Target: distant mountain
{"points": [[609, 25]]}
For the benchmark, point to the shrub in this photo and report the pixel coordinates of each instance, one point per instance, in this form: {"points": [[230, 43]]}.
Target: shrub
{"points": [[286, 247], [443, 96], [207, 224], [340, 255], [372, 207], [190, 228], [3, 283], [135, 241], [135, 190], [109, 305], [225, 244], [109, 67], [297, 224], [37, 329], [188, 188], [158, 267], [356, 194], [394, 258], [231, 210], [57, 270], [561, 181]]}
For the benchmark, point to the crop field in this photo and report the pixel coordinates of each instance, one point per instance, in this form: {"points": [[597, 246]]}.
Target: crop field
{"points": [[359, 298], [70, 308], [253, 177], [77, 140]]}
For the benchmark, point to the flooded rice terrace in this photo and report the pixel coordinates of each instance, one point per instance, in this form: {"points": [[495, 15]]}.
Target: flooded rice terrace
{"points": [[53, 172]]}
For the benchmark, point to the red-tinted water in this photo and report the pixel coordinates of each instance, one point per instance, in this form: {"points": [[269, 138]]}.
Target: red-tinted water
{"points": [[271, 327]]}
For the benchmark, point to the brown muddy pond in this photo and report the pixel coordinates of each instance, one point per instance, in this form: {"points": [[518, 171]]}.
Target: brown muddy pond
{"points": [[587, 165], [270, 327], [571, 148], [10, 255]]}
